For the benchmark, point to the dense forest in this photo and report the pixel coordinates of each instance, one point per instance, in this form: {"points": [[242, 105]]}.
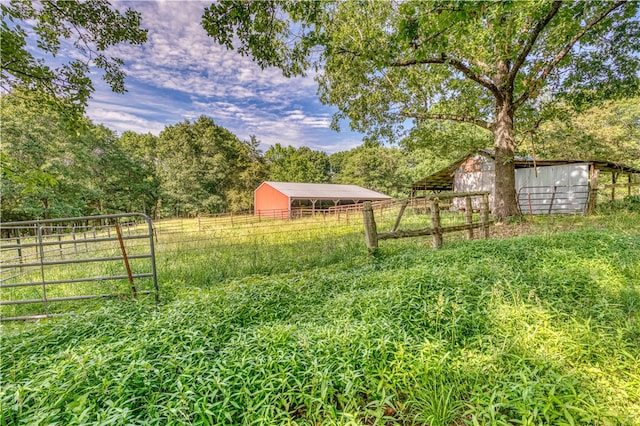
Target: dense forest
{"points": [[53, 168]]}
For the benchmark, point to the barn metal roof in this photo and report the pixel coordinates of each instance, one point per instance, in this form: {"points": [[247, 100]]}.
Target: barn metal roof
{"points": [[325, 191], [442, 180]]}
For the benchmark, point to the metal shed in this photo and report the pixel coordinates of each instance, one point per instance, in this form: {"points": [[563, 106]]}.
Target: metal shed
{"points": [[543, 186], [283, 199]]}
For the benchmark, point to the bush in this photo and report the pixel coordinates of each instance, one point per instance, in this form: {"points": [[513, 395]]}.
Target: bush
{"points": [[630, 203]]}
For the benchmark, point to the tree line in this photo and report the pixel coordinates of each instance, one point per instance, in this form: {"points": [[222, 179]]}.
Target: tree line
{"points": [[51, 169]]}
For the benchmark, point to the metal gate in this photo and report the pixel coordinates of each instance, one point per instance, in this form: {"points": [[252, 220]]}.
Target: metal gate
{"points": [[557, 199], [74, 260]]}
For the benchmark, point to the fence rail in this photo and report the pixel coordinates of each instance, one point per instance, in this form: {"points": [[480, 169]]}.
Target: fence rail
{"points": [[459, 220], [613, 186], [44, 262]]}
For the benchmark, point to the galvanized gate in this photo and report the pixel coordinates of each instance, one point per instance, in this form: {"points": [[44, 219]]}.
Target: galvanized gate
{"points": [[74, 260], [554, 199]]}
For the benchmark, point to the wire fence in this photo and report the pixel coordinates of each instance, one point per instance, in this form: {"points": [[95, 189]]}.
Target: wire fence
{"points": [[445, 218], [239, 227], [248, 236], [72, 259]]}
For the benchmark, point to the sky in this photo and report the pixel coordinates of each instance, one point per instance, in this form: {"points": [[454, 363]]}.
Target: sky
{"points": [[181, 74]]}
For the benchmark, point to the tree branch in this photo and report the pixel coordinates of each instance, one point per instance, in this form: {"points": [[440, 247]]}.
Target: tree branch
{"points": [[25, 72], [533, 36], [450, 117], [458, 65], [81, 37], [535, 86]]}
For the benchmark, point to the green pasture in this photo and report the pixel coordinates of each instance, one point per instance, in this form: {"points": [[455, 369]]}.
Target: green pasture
{"points": [[299, 325]]}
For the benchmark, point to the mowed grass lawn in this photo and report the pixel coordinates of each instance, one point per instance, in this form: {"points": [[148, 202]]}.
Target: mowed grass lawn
{"points": [[541, 329]]}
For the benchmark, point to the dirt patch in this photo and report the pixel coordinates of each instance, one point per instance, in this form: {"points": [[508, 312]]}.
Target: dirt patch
{"points": [[526, 227], [510, 230]]}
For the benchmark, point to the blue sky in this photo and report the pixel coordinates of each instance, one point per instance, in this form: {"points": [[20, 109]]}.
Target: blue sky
{"points": [[181, 73]]}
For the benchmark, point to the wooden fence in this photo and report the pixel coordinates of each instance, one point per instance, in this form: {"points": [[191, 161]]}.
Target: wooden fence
{"points": [[436, 228], [628, 186]]}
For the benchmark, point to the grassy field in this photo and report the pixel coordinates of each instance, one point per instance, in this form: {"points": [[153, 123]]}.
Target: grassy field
{"points": [[541, 329]]}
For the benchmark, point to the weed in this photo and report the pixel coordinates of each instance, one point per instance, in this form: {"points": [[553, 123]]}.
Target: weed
{"points": [[530, 330]]}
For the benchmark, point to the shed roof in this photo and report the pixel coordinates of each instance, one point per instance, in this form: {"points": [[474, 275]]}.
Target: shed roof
{"points": [[325, 191], [442, 180]]}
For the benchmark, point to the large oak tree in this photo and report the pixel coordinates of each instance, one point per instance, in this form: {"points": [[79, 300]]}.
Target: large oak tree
{"points": [[391, 65]]}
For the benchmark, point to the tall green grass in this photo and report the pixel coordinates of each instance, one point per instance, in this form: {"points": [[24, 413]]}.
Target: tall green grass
{"points": [[531, 330]]}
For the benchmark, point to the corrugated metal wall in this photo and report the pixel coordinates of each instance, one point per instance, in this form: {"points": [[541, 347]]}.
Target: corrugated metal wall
{"points": [[541, 190], [477, 173], [553, 189]]}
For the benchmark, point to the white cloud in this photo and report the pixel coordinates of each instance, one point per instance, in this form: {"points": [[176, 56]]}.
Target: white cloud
{"points": [[179, 55], [182, 73], [121, 121]]}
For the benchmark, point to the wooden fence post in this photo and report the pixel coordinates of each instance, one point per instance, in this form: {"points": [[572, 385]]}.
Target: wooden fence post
{"points": [[468, 217], [402, 208], [613, 186], [435, 223], [134, 290], [484, 215], [593, 189], [370, 229]]}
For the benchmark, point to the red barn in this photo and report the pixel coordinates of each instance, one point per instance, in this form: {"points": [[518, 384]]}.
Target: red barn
{"points": [[283, 199]]}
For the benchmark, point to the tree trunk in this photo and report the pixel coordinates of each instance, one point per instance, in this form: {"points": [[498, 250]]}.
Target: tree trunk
{"points": [[46, 214], [504, 197]]}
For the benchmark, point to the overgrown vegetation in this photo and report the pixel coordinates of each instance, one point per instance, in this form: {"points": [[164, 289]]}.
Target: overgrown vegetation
{"points": [[530, 330], [630, 204]]}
